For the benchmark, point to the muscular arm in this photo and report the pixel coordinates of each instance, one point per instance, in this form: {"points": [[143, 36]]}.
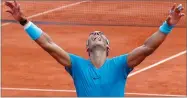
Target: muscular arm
{"points": [[150, 45], [54, 50], [39, 36]]}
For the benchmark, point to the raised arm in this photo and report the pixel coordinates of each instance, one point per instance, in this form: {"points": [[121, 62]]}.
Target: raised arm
{"points": [[152, 43], [38, 35]]}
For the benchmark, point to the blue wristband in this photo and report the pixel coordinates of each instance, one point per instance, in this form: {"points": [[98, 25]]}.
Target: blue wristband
{"points": [[165, 28], [33, 31]]}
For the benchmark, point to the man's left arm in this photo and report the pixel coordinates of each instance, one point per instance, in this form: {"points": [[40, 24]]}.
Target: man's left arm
{"points": [[152, 43]]}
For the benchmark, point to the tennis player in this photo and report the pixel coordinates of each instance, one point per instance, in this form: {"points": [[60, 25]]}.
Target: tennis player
{"points": [[98, 75]]}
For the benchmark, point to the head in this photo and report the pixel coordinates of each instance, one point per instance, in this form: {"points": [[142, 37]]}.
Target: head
{"points": [[97, 39]]}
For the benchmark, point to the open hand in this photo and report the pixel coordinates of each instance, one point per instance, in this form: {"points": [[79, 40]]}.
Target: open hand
{"points": [[175, 14], [15, 10]]}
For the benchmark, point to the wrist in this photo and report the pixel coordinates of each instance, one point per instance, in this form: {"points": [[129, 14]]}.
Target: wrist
{"points": [[166, 28], [23, 21], [27, 25], [32, 30]]}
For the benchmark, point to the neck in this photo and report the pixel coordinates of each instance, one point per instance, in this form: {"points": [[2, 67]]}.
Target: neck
{"points": [[98, 57]]}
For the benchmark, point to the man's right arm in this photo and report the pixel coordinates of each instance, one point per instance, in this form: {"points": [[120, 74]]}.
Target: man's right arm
{"points": [[44, 41], [38, 35], [54, 50]]}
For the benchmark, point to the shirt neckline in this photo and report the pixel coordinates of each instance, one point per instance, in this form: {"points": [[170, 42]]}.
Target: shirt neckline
{"points": [[93, 66]]}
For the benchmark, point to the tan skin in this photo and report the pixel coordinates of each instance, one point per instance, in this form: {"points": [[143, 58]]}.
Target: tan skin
{"points": [[97, 44], [97, 48]]}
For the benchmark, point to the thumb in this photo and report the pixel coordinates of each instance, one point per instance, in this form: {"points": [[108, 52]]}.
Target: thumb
{"points": [[19, 7], [9, 11], [168, 20]]}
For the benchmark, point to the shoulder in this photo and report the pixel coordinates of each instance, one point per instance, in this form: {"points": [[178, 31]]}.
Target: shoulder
{"points": [[74, 57], [77, 60], [121, 62], [77, 63], [118, 61], [122, 59]]}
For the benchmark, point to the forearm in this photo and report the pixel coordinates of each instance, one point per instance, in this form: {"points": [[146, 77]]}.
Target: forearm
{"points": [[36, 33], [152, 43], [45, 42], [149, 46], [155, 40]]}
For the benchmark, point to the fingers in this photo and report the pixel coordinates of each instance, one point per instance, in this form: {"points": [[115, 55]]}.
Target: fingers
{"points": [[173, 7], [9, 11], [18, 7], [179, 8], [168, 19], [9, 4], [15, 3], [182, 14]]}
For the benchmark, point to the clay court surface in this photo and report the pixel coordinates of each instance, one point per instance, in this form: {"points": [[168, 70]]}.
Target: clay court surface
{"points": [[27, 70]]}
